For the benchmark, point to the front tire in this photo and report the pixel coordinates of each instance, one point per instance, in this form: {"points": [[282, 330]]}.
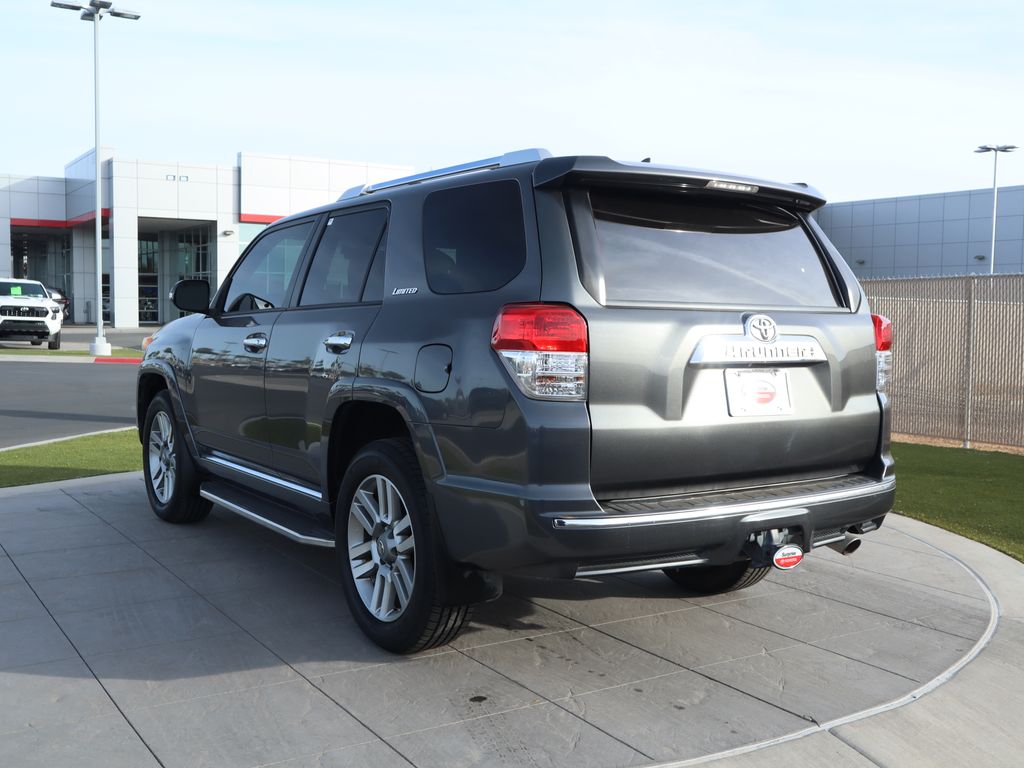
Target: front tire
{"points": [[716, 579], [36, 342], [172, 481], [54, 342], [388, 550]]}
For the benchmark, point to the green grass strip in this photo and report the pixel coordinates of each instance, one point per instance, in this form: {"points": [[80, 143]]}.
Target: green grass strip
{"points": [[977, 494], [75, 457]]}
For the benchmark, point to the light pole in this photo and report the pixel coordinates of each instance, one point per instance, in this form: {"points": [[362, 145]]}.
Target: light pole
{"points": [[94, 11], [995, 149]]}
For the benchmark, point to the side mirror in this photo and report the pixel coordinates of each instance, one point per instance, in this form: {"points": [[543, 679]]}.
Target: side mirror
{"points": [[191, 296]]}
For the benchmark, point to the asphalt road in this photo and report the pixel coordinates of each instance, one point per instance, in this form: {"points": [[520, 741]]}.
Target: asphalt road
{"points": [[42, 401]]}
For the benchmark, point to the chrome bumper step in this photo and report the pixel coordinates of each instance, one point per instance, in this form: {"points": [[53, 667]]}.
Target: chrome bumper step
{"points": [[718, 505]]}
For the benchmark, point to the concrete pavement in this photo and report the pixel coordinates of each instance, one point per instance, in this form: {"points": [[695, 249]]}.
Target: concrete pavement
{"points": [[127, 641]]}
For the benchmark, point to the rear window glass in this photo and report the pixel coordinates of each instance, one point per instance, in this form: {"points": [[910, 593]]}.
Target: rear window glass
{"points": [[660, 248], [473, 237]]}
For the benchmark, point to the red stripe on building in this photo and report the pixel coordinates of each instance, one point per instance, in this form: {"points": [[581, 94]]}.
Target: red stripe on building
{"points": [[59, 223], [90, 216], [257, 218], [54, 223]]}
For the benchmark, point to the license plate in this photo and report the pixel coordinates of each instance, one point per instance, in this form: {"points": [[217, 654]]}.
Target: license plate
{"points": [[757, 391]]}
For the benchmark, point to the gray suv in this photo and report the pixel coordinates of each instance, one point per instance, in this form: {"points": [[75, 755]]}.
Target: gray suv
{"points": [[549, 366]]}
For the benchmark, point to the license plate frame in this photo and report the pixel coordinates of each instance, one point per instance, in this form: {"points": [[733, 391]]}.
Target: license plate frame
{"points": [[758, 392]]}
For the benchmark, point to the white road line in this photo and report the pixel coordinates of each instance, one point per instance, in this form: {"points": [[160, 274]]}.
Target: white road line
{"points": [[62, 439], [914, 695]]}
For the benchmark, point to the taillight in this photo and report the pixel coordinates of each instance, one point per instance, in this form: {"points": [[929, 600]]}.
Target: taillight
{"points": [[545, 349], [883, 351], [883, 333]]}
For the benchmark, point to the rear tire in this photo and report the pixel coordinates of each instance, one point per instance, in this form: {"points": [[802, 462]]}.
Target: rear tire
{"points": [[36, 342], [716, 579], [54, 342], [389, 551], [172, 480]]}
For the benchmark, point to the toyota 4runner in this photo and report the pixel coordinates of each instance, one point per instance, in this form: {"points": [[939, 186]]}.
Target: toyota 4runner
{"points": [[548, 366], [27, 313]]}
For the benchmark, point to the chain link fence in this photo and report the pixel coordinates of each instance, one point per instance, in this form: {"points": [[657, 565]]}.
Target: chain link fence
{"points": [[958, 356]]}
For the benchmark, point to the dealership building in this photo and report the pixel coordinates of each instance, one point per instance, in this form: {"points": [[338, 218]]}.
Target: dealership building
{"points": [[928, 235], [162, 222]]}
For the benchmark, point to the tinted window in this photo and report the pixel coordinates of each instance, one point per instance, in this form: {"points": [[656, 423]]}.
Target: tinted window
{"points": [[342, 258], [262, 279], [667, 248], [473, 237]]}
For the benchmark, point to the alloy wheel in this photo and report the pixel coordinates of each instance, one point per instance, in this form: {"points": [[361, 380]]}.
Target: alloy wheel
{"points": [[162, 461], [381, 548]]}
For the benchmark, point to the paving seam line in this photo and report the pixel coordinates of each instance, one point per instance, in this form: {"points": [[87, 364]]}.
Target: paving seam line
{"points": [[62, 439], [931, 685]]}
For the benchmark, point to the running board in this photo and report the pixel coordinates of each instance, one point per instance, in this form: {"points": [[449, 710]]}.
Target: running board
{"points": [[294, 525]]}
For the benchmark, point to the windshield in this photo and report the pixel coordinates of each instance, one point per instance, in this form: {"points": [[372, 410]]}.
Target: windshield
{"points": [[643, 246], [27, 288]]}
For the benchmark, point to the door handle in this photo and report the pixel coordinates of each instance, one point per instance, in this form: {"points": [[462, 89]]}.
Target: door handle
{"points": [[257, 342], [339, 342]]}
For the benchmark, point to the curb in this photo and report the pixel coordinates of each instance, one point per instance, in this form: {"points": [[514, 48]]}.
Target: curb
{"points": [[59, 485], [69, 359]]}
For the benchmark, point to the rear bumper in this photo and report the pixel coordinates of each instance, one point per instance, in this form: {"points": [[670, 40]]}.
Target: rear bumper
{"points": [[496, 531]]}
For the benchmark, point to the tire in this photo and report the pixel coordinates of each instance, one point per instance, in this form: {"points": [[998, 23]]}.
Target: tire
{"points": [[172, 481], [36, 342], [716, 579], [54, 342], [379, 559]]}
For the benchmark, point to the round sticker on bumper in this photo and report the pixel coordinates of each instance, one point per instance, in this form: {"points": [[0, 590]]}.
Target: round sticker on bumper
{"points": [[787, 557]]}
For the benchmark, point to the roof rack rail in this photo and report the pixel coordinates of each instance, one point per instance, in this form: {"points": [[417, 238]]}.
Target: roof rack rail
{"points": [[509, 158]]}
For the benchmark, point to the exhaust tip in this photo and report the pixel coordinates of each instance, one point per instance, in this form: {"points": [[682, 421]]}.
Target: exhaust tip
{"points": [[847, 546]]}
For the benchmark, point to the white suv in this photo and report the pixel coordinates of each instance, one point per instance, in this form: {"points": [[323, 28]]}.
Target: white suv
{"points": [[27, 313]]}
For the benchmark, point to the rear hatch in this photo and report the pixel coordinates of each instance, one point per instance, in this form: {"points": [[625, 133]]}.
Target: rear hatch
{"points": [[723, 350]]}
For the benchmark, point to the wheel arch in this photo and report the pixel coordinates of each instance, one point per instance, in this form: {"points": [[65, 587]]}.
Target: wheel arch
{"points": [[154, 377], [371, 413]]}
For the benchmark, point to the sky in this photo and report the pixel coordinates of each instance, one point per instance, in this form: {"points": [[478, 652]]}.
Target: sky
{"points": [[862, 99]]}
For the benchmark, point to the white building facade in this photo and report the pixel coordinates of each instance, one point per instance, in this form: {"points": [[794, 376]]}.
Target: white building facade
{"points": [[162, 222]]}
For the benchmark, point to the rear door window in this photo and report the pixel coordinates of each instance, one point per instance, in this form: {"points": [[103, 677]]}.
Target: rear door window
{"points": [[342, 258], [474, 238], [662, 248]]}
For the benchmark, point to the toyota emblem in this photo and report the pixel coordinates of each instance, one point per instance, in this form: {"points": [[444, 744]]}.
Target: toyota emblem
{"points": [[762, 328]]}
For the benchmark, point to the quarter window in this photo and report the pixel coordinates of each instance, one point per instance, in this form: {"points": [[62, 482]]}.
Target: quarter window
{"points": [[474, 238], [342, 258], [264, 276]]}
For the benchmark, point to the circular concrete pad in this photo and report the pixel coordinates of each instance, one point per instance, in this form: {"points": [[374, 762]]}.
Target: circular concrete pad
{"points": [[223, 643]]}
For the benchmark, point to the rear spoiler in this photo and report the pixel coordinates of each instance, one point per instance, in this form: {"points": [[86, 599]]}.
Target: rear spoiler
{"points": [[558, 172]]}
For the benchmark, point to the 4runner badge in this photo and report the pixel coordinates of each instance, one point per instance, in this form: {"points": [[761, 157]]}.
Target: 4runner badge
{"points": [[403, 291]]}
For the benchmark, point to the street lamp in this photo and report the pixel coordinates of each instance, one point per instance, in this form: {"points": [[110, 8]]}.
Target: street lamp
{"points": [[94, 11], [995, 149]]}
